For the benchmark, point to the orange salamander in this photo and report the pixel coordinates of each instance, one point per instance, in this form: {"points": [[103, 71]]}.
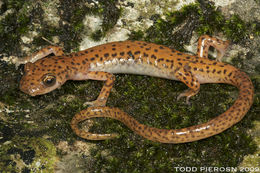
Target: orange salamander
{"points": [[44, 74]]}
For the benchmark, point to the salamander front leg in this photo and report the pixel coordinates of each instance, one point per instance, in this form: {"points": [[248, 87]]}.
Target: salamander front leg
{"points": [[191, 81], [57, 51], [105, 91]]}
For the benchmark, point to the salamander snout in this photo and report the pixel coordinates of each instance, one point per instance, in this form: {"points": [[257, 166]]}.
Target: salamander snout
{"points": [[35, 81]]}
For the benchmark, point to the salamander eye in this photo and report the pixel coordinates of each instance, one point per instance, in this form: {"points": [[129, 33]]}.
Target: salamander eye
{"points": [[49, 80]]}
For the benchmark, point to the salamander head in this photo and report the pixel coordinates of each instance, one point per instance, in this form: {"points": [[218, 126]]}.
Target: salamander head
{"points": [[41, 77]]}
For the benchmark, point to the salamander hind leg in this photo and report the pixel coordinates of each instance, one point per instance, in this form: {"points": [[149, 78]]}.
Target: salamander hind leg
{"points": [[206, 41], [190, 80]]}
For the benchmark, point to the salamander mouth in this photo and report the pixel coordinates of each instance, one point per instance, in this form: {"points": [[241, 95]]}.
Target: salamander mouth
{"points": [[29, 91]]}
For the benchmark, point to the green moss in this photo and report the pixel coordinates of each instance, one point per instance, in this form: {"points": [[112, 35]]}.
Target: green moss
{"points": [[235, 28], [136, 35], [257, 69], [110, 14], [161, 31], [8, 84], [19, 22], [97, 35], [14, 4], [15, 23], [204, 20], [23, 153]]}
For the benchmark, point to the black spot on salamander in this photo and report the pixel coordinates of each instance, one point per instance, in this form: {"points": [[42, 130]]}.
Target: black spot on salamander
{"points": [[130, 54], [113, 45], [195, 69], [180, 63], [92, 50], [179, 53], [225, 71], [145, 54], [155, 50], [161, 47], [214, 70], [114, 55], [161, 59], [106, 55], [84, 62], [148, 48], [113, 49], [214, 63], [97, 55], [219, 72], [153, 56], [72, 63], [229, 74], [137, 52], [92, 59], [122, 53], [186, 74]]}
